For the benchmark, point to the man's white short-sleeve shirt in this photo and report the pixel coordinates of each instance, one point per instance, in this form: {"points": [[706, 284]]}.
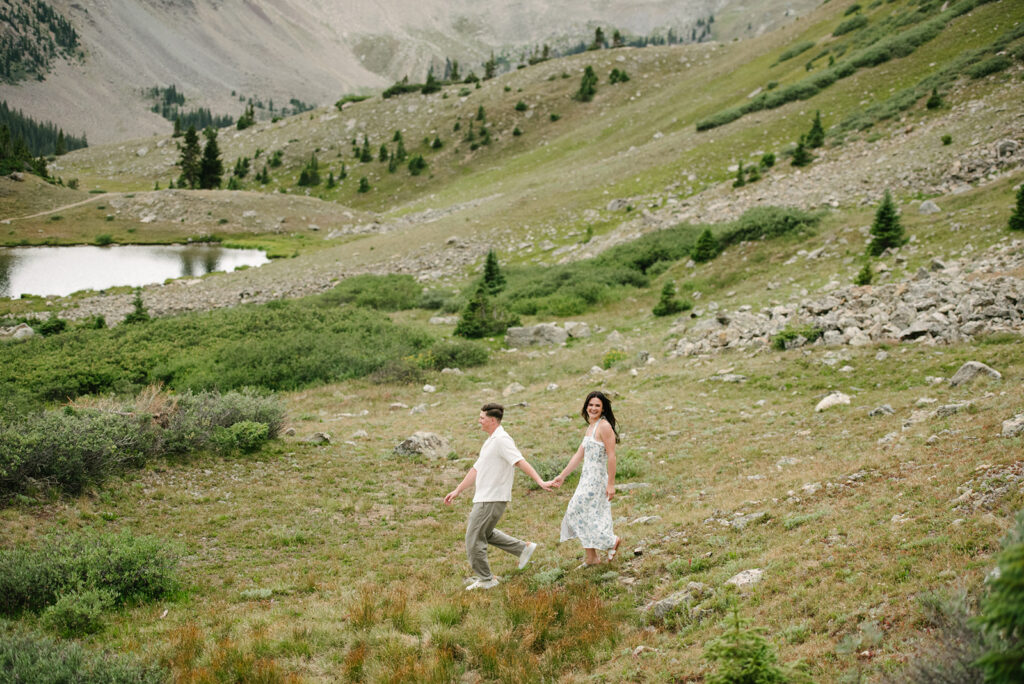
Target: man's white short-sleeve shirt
{"points": [[495, 467]]}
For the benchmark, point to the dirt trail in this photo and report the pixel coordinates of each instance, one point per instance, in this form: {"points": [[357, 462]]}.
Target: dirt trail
{"points": [[106, 195]]}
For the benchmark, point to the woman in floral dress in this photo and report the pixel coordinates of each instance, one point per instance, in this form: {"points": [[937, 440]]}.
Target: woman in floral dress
{"points": [[589, 515]]}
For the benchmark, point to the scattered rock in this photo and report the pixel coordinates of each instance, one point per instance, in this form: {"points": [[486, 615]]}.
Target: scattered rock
{"points": [[728, 377], [833, 399], [514, 388], [1014, 426], [970, 371], [427, 444], [694, 592], [615, 339], [451, 371], [360, 434], [444, 320], [577, 329], [542, 333], [947, 410], [929, 207], [551, 387], [319, 438], [429, 389], [883, 410], [746, 579], [645, 519], [22, 331]]}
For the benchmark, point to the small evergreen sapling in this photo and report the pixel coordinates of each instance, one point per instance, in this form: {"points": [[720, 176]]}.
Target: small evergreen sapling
{"points": [[588, 85], [1017, 217], [668, 304], [801, 157], [1002, 612], [935, 100], [364, 184], [493, 279], [742, 654], [740, 179], [706, 248], [864, 276], [886, 231], [816, 136]]}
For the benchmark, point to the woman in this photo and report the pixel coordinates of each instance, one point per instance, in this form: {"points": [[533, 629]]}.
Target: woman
{"points": [[589, 515]]}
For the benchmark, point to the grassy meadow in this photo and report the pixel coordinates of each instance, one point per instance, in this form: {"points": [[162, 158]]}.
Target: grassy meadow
{"points": [[278, 556]]}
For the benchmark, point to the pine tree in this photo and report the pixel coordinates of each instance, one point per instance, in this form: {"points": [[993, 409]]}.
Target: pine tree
{"points": [[331, 183], [417, 164], [397, 137], [139, 314], [935, 100], [864, 276], [177, 127], [364, 184], [392, 164], [481, 115], [365, 155], [343, 172], [437, 144], [211, 168], [816, 136], [493, 278], [189, 161], [432, 85], [382, 156], [455, 76], [598, 39], [801, 157], [1002, 612], [588, 85], [743, 654], [1017, 216], [706, 248], [740, 177], [60, 147], [400, 154], [617, 40], [490, 67], [668, 304], [482, 317], [886, 231]]}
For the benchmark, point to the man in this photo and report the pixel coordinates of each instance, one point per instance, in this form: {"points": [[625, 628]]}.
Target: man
{"points": [[492, 474]]}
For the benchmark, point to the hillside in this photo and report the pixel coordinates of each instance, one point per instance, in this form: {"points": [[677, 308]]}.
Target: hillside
{"points": [[217, 54], [868, 527]]}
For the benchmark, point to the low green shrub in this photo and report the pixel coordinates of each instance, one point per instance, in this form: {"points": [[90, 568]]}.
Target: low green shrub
{"points": [[789, 334], [124, 567], [30, 657], [73, 448], [453, 353], [992, 65], [78, 612], [282, 345], [794, 51], [613, 357], [390, 292], [855, 22]]}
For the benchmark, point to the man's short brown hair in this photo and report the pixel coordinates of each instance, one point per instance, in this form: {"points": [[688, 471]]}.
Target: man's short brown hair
{"points": [[493, 410]]}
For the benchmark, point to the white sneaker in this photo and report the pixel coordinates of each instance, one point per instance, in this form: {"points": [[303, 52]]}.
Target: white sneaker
{"points": [[524, 557], [483, 584]]}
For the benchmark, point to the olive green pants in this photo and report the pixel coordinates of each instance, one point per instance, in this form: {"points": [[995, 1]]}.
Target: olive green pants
{"points": [[480, 532]]}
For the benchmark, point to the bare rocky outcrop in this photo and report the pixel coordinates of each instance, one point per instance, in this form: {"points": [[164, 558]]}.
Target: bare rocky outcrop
{"points": [[428, 444], [540, 334], [955, 304]]}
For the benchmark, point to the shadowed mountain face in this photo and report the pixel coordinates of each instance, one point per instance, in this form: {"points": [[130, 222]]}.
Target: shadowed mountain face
{"points": [[217, 53]]}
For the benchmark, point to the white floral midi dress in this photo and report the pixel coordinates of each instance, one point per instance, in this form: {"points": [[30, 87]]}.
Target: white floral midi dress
{"points": [[589, 515]]}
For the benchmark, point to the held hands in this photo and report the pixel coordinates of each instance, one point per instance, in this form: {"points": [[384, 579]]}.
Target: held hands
{"points": [[450, 496], [610, 491], [555, 483]]}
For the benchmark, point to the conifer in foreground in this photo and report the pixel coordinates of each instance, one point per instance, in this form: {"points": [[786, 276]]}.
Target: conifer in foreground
{"points": [[886, 231], [1017, 217]]}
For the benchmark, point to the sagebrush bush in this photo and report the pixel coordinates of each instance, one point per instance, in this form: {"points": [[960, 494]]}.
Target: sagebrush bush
{"points": [[30, 657], [453, 353], [392, 292], [282, 345], [72, 448], [78, 612], [124, 567]]}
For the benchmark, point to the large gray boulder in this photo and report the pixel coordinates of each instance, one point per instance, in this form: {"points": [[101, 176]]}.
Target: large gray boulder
{"points": [[970, 371], [530, 335], [427, 444]]}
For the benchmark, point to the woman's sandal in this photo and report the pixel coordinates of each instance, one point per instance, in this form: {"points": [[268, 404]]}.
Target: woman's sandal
{"points": [[615, 549], [584, 565]]}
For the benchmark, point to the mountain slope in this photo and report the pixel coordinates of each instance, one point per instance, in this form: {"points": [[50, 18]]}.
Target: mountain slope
{"points": [[313, 50]]}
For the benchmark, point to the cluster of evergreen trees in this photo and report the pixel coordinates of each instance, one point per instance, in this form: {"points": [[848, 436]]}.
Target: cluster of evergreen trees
{"points": [[24, 141], [200, 168], [36, 35]]}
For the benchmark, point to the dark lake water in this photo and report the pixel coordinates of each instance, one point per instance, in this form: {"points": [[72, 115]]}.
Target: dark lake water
{"points": [[63, 270]]}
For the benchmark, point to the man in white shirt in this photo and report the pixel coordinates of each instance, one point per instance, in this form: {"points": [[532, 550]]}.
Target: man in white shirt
{"points": [[493, 475]]}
